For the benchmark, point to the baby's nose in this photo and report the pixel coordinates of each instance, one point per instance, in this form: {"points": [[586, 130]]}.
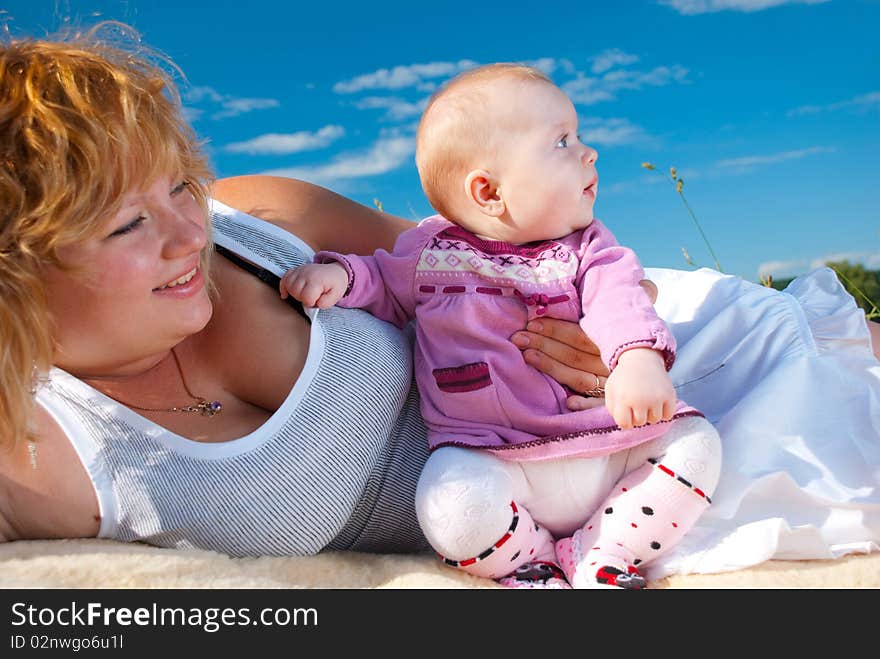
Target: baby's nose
{"points": [[590, 155]]}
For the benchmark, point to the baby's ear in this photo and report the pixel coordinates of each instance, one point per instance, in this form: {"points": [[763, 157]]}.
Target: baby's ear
{"points": [[481, 189]]}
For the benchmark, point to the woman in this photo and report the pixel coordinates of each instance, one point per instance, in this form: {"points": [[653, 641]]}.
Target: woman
{"points": [[228, 421]]}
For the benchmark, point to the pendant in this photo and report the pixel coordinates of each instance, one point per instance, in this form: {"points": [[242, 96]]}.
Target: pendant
{"points": [[204, 408], [210, 409]]}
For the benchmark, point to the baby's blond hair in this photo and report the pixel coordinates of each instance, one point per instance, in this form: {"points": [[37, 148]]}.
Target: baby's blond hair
{"points": [[454, 127], [83, 121]]}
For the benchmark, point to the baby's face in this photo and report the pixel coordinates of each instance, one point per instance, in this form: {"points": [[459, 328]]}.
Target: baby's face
{"points": [[547, 178]]}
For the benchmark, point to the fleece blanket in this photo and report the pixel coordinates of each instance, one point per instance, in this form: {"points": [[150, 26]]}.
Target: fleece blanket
{"points": [[109, 564]]}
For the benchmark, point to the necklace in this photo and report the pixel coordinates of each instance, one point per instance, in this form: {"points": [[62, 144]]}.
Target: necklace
{"points": [[203, 407]]}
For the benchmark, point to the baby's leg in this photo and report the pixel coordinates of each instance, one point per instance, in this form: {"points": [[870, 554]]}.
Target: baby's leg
{"points": [[468, 507], [649, 510]]}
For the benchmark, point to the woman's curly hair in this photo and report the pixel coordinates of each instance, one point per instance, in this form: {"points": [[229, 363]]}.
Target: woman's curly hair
{"points": [[85, 118]]}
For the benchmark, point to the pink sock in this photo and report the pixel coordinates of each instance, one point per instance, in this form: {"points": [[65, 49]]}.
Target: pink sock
{"points": [[649, 511], [525, 542]]}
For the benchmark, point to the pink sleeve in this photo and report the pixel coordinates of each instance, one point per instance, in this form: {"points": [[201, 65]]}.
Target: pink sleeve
{"points": [[383, 283], [617, 313]]}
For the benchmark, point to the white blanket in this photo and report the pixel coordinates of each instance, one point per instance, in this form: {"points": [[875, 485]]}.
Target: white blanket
{"points": [[794, 390]]}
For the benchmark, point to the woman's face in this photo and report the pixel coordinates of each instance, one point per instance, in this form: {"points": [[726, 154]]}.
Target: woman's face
{"points": [[136, 289]]}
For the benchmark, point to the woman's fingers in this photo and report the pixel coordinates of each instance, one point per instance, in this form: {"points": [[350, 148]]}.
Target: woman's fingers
{"points": [[563, 342], [565, 332], [577, 403], [573, 378]]}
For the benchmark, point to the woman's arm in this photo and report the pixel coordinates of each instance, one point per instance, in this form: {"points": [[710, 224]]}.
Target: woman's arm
{"points": [[322, 218]]}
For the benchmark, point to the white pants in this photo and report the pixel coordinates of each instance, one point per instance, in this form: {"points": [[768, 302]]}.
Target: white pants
{"points": [[463, 496]]}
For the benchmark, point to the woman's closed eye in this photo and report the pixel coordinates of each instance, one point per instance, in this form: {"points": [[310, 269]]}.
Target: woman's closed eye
{"points": [[180, 187], [140, 219], [128, 228]]}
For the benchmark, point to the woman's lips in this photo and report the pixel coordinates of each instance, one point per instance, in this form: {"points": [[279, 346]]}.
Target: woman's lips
{"points": [[183, 286], [179, 281]]}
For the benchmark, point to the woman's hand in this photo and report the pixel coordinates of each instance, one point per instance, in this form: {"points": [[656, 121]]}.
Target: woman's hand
{"points": [[560, 349]]}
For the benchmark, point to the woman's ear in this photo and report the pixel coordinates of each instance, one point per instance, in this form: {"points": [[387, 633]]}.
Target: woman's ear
{"points": [[481, 189]]}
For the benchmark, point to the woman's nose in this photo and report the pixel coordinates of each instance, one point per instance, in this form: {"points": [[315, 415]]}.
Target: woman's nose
{"points": [[185, 235]]}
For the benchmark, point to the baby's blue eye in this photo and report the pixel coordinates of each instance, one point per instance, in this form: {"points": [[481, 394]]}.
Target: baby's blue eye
{"points": [[563, 142]]}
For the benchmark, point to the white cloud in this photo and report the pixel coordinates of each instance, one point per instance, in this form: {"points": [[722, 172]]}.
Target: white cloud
{"points": [[395, 108], [233, 107], [229, 106], [751, 161], [871, 260], [191, 114], [388, 153], [610, 132], [281, 144], [399, 77], [863, 102], [585, 90], [784, 269], [795, 267], [691, 7], [608, 59]]}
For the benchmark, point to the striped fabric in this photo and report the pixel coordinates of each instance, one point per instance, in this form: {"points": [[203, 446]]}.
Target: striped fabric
{"points": [[336, 469]]}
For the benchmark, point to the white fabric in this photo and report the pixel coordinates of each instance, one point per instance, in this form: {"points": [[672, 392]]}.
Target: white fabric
{"points": [[793, 388]]}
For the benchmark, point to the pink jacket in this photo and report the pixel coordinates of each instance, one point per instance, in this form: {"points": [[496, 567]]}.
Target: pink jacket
{"points": [[470, 295]]}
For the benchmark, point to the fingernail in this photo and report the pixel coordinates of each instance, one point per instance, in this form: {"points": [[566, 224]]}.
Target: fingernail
{"points": [[536, 326], [520, 340]]}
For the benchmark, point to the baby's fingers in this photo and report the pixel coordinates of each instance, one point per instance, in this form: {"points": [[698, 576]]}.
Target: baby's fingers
{"points": [[285, 285], [622, 415], [305, 291], [639, 415], [327, 299]]}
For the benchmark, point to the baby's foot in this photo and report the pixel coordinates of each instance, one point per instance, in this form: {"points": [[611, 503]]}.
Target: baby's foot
{"points": [[538, 574], [592, 569], [611, 576]]}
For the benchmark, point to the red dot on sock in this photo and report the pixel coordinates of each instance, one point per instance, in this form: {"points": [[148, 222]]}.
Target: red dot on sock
{"points": [[531, 551], [634, 525], [595, 547], [590, 527], [623, 489], [593, 563], [675, 525]]}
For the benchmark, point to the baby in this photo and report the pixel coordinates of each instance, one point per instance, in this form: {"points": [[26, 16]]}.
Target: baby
{"points": [[518, 487]]}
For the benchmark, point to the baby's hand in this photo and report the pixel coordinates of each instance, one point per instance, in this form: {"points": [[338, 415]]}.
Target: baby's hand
{"points": [[315, 285], [639, 390]]}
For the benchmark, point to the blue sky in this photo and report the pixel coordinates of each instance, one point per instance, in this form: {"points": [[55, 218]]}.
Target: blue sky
{"points": [[769, 109]]}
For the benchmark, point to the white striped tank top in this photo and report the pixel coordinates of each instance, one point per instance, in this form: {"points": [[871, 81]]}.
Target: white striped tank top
{"points": [[335, 467]]}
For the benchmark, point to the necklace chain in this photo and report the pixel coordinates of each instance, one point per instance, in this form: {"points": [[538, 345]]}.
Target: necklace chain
{"points": [[203, 407]]}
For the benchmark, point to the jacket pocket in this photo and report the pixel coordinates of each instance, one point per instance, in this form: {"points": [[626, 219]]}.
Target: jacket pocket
{"points": [[460, 379], [467, 393]]}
